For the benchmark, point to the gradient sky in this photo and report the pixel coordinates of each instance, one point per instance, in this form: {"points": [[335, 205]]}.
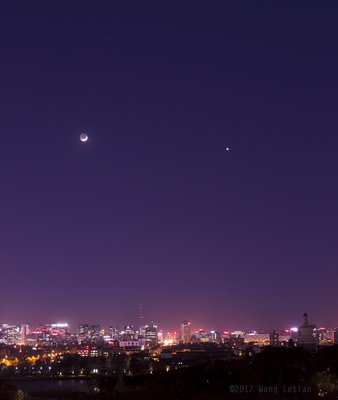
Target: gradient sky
{"points": [[152, 209]]}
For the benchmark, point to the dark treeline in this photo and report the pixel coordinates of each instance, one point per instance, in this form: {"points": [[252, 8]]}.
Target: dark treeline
{"points": [[274, 367]]}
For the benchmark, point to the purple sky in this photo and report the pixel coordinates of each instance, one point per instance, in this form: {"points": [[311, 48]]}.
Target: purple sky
{"points": [[152, 209]]}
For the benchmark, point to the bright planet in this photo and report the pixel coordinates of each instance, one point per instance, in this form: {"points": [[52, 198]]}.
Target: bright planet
{"points": [[83, 137]]}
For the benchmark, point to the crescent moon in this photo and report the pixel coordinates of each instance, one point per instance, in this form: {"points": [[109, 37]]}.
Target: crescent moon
{"points": [[83, 137]]}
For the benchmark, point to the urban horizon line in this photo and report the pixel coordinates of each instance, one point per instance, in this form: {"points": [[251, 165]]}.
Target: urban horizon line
{"points": [[73, 327]]}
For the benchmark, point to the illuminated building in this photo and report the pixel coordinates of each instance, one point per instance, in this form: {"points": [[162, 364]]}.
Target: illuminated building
{"points": [[323, 335], [83, 333], [89, 333], [95, 332], [274, 338], [237, 333], [199, 336], [185, 332], [136, 344], [285, 336], [235, 342], [202, 336], [160, 336], [257, 338], [335, 337], [225, 335], [142, 331], [128, 333], [84, 330], [168, 339], [215, 337], [89, 351], [10, 334], [24, 333], [59, 329], [151, 335], [49, 335], [114, 332]]}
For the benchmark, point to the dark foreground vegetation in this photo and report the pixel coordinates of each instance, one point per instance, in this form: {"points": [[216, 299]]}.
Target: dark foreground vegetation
{"points": [[263, 376]]}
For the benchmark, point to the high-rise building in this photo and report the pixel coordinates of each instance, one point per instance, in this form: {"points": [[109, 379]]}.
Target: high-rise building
{"points": [[151, 335], [335, 336], [274, 338], [185, 332], [141, 315], [114, 332], [321, 334], [142, 331], [10, 334], [59, 329], [128, 333], [84, 330], [160, 336], [90, 332], [24, 332], [177, 335], [215, 337]]}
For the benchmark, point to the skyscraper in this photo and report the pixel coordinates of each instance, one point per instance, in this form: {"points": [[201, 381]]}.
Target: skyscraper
{"points": [[89, 332], [185, 332], [141, 315], [142, 332], [25, 330], [114, 332], [151, 335]]}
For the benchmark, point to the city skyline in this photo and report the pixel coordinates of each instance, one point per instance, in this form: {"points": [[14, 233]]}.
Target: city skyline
{"points": [[204, 183], [74, 327], [151, 336]]}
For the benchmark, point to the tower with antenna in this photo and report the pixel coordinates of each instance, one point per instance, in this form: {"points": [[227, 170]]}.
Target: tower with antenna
{"points": [[141, 315], [142, 332]]}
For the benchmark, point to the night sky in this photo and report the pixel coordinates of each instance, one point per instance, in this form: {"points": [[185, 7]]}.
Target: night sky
{"points": [[152, 209]]}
